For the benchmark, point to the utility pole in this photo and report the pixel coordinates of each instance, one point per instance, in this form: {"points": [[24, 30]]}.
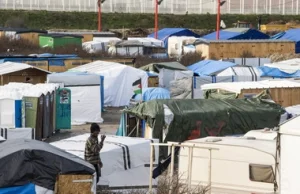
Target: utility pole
{"points": [[218, 17], [157, 3], [100, 15]]}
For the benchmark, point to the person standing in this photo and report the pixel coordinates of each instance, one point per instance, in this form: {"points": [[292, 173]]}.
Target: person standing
{"points": [[93, 147]]}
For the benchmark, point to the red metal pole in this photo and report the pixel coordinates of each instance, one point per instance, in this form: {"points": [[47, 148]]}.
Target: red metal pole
{"points": [[218, 19], [99, 15], [156, 18]]}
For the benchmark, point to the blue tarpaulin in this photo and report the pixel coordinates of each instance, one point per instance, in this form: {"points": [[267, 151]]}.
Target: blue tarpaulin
{"points": [[209, 67], [154, 93], [244, 34], [293, 35], [25, 189], [165, 33], [277, 73]]}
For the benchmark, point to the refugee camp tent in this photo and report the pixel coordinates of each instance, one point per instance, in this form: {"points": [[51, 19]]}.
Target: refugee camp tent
{"points": [[277, 73], [156, 67], [173, 120], [241, 73], [293, 35], [87, 95], [165, 33], [237, 34], [125, 159], [30, 161], [17, 133], [118, 80]]}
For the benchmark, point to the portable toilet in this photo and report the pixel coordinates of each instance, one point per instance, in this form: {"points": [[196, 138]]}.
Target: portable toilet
{"points": [[33, 107], [46, 115], [63, 109], [10, 113]]}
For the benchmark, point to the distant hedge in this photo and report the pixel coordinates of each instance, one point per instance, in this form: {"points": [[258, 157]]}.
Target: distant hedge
{"points": [[88, 20]]}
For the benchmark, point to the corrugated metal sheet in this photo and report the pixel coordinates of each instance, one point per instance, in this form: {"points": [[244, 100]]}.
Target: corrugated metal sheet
{"points": [[237, 87], [10, 67]]}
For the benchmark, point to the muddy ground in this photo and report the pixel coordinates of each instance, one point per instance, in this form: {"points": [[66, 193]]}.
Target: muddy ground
{"points": [[111, 118]]}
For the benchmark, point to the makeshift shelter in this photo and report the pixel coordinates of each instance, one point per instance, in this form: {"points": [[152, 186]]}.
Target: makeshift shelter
{"points": [[283, 92], [174, 77], [126, 48], [38, 163], [58, 40], [20, 72], [293, 35], [241, 73], [173, 120], [31, 35], [87, 95], [220, 49], [290, 66], [165, 33], [17, 133], [209, 67], [277, 73], [146, 41], [118, 80], [125, 159], [180, 45], [237, 34]]}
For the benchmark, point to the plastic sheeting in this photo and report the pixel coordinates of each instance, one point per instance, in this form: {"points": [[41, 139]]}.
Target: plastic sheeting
{"points": [[181, 88], [118, 80], [37, 162], [277, 73], [154, 93], [208, 117], [74, 78], [166, 76], [86, 105], [237, 34], [209, 67], [290, 66], [26, 189], [292, 34], [165, 33], [122, 157]]}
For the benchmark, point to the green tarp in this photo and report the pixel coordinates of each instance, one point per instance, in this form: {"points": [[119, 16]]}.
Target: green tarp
{"points": [[208, 117], [155, 67]]}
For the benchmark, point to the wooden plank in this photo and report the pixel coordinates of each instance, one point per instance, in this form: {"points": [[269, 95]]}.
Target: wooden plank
{"points": [[74, 184]]}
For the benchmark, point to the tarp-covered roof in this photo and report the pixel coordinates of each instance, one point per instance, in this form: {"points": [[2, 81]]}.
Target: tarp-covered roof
{"points": [[292, 34], [155, 67], [208, 117], [153, 94], [277, 73], [209, 67], [165, 33], [30, 161], [289, 66], [241, 33]]}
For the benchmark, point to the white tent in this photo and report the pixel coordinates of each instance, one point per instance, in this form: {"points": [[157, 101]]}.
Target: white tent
{"points": [[124, 159], [242, 73], [148, 41], [86, 95], [288, 66], [289, 157], [118, 80]]}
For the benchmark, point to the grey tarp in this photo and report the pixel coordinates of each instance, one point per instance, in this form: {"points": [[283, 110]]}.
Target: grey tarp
{"points": [[29, 161], [155, 67], [195, 118]]}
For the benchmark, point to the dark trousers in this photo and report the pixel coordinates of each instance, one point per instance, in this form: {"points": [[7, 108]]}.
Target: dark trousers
{"points": [[98, 171]]}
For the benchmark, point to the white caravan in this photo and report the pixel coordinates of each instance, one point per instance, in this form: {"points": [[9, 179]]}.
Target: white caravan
{"points": [[240, 165]]}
